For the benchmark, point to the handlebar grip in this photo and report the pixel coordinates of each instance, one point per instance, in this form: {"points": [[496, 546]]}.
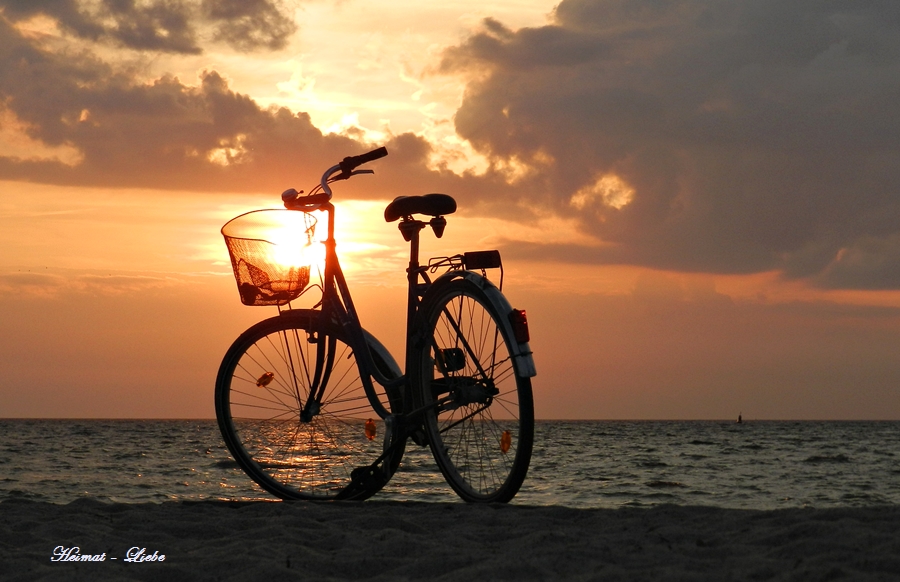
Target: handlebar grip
{"points": [[352, 162]]}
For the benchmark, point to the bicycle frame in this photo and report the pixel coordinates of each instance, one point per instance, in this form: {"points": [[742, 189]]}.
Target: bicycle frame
{"points": [[337, 303], [318, 374]]}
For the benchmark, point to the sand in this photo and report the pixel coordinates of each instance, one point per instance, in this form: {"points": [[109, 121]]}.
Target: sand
{"points": [[454, 542]]}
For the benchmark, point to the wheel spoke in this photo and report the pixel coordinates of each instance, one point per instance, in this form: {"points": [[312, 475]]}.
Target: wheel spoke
{"points": [[476, 400], [261, 420]]}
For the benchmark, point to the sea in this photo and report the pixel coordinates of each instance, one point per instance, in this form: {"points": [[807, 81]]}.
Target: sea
{"points": [[581, 464]]}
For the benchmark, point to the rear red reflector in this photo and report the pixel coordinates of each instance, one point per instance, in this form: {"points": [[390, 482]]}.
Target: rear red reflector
{"points": [[519, 322]]}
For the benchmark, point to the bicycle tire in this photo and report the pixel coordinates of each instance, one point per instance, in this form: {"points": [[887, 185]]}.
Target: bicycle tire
{"points": [[262, 384], [466, 422]]}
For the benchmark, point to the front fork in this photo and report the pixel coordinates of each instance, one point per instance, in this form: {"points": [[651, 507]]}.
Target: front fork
{"points": [[325, 348]]}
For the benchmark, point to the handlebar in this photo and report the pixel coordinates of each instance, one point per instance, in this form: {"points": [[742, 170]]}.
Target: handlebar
{"points": [[347, 168], [350, 163]]}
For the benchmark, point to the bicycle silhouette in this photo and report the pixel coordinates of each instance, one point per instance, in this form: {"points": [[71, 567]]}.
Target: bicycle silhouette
{"points": [[312, 406]]}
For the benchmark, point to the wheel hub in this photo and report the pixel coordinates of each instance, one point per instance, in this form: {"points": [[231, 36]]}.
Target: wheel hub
{"points": [[311, 410], [471, 391]]}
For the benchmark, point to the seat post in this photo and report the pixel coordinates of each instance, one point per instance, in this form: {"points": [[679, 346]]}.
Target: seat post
{"points": [[411, 229]]}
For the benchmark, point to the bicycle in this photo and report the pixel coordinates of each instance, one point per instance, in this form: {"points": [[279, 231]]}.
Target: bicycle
{"points": [[312, 406]]}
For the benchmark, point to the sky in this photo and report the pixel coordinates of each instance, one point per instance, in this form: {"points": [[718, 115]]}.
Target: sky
{"points": [[697, 201]]}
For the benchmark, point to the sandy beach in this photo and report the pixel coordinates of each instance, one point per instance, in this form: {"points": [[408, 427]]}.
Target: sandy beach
{"points": [[418, 541]]}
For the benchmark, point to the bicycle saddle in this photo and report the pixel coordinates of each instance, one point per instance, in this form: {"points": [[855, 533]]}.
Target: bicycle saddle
{"points": [[430, 204]]}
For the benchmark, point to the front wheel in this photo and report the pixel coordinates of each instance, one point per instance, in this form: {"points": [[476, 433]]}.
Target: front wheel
{"points": [[296, 414], [479, 415]]}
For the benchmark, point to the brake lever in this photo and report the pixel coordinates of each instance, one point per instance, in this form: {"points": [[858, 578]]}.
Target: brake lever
{"points": [[346, 176]]}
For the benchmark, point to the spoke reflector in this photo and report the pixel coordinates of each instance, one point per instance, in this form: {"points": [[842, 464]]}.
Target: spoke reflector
{"points": [[265, 379], [505, 442], [371, 429]]}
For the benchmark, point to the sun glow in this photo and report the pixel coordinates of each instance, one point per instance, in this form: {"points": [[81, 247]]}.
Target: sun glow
{"points": [[277, 237], [293, 252]]}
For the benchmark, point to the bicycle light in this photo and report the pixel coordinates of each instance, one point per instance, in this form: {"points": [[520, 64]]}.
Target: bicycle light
{"points": [[519, 322]]}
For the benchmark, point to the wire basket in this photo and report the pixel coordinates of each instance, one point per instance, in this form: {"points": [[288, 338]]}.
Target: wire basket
{"points": [[270, 254]]}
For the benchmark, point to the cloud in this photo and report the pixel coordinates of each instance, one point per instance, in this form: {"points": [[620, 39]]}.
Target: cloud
{"points": [[27, 283], [164, 25], [54, 284], [249, 24], [121, 284], [746, 136], [709, 136], [162, 134], [123, 131], [170, 134], [117, 129]]}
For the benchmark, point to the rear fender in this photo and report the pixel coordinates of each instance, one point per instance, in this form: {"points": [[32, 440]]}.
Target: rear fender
{"points": [[523, 362]]}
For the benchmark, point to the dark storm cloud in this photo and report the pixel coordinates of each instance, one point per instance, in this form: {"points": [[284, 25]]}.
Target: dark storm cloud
{"points": [[164, 25], [755, 135]]}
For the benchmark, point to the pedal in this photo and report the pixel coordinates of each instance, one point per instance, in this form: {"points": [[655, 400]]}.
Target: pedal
{"points": [[363, 479]]}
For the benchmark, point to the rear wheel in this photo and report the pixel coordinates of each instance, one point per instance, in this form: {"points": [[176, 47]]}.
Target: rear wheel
{"points": [[479, 418], [295, 413]]}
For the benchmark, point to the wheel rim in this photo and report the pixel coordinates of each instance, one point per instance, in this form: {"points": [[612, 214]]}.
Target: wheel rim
{"points": [[475, 427], [269, 385]]}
